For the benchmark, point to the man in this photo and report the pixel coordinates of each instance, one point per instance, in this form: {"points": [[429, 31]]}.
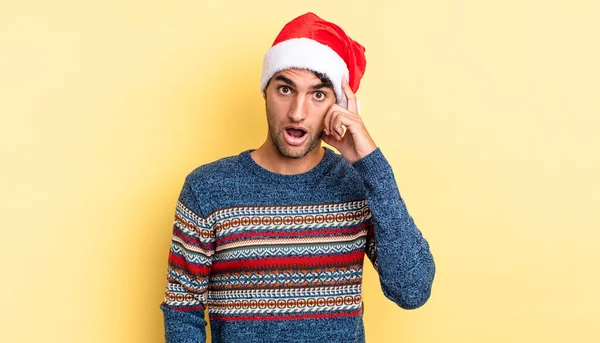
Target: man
{"points": [[272, 241]]}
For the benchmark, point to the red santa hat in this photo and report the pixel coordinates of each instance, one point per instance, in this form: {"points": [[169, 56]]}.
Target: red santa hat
{"points": [[309, 42]]}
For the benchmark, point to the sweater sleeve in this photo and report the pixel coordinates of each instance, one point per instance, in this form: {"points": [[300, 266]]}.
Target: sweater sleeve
{"points": [[189, 265], [395, 246]]}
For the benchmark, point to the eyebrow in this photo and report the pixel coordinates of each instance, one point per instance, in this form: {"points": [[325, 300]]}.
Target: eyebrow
{"points": [[291, 83]]}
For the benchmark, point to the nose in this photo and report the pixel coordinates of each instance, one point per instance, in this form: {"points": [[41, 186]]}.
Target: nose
{"points": [[299, 109]]}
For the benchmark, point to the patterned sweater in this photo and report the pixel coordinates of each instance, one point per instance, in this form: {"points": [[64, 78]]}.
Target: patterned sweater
{"points": [[279, 258]]}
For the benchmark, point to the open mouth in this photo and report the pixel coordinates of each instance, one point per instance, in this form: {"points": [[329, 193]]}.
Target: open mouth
{"points": [[295, 137], [296, 133]]}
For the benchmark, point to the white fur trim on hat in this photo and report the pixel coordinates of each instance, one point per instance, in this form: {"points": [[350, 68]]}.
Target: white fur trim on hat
{"points": [[305, 53]]}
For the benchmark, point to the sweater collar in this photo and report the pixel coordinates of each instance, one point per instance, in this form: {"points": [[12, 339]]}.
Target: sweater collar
{"points": [[310, 176]]}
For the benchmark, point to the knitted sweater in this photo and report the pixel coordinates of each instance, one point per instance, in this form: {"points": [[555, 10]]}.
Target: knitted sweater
{"points": [[279, 258]]}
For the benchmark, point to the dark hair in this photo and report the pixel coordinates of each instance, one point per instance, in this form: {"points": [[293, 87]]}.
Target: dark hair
{"points": [[324, 79]]}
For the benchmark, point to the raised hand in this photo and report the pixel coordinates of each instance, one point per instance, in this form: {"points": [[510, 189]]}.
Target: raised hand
{"points": [[355, 143]]}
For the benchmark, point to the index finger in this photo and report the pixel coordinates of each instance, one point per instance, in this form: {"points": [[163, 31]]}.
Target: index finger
{"points": [[350, 97]]}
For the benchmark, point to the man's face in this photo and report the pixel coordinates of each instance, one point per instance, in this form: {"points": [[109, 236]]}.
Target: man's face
{"points": [[297, 98]]}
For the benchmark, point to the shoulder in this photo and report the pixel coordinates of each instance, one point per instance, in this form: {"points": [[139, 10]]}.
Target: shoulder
{"points": [[206, 180], [343, 174], [341, 168], [210, 173]]}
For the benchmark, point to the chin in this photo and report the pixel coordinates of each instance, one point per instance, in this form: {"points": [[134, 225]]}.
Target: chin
{"points": [[295, 152]]}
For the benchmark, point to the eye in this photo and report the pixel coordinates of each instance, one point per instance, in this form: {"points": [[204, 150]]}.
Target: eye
{"points": [[320, 96], [285, 90]]}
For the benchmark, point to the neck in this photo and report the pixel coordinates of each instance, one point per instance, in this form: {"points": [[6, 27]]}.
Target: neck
{"points": [[270, 158]]}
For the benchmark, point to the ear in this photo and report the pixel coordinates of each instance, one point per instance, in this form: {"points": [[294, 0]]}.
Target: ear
{"points": [[264, 94]]}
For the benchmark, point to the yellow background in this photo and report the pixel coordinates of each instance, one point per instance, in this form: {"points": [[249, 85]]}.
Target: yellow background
{"points": [[488, 112]]}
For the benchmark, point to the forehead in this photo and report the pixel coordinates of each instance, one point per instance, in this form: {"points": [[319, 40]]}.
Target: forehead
{"points": [[299, 76]]}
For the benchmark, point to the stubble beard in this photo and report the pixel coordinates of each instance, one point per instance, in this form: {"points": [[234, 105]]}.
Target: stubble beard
{"points": [[287, 150]]}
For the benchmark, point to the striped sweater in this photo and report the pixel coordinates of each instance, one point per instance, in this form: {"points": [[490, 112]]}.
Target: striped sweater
{"points": [[279, 258]]}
